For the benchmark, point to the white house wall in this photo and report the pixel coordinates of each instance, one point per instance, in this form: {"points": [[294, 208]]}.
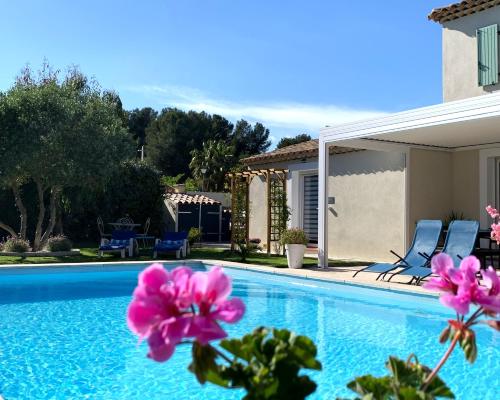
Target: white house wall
{"points": [[460, 75], [368, 216]]}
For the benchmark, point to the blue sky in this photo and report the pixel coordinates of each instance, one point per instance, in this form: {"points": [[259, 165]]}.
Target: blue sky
{"points": [[294, 65]]}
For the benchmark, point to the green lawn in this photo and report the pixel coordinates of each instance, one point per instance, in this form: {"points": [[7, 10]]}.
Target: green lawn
{"points": [[89, 254]]}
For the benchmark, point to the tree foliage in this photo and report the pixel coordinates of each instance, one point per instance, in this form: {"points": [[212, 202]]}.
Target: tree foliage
{"points": [[176, 134], [216, 158], [134, 189], [248, 140], [138, 121], [57, 133], [288, 141]]}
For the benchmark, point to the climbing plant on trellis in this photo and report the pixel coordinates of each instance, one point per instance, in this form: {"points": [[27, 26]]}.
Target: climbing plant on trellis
{"points": [[277, 209], [239, 213]]}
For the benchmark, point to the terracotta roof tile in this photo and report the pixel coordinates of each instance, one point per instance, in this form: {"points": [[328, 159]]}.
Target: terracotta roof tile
{"points": [[297, 151], [461, 9], [184, 198]]}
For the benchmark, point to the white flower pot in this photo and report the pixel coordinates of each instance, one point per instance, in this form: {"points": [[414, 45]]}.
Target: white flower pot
{"points": [[295, 255]]}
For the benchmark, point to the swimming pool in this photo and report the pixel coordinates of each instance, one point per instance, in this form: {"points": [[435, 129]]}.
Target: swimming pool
{"points": [[63, 335]]}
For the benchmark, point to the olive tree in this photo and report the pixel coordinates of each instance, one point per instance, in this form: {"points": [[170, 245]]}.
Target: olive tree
{"points": [[57, 133]]}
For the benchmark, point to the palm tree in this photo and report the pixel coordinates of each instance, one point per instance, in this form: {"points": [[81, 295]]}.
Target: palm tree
{"points": [[210, 164]]}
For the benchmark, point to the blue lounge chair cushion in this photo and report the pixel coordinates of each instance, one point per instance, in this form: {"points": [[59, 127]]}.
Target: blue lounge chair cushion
{"points": [[170, 245], [174, 236], [115, 244]]}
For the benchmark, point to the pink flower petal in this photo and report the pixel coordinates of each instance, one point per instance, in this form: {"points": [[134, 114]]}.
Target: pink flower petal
{"points": [[141, 316], [469, 267], [491, 280], [153, 277], [218, 286], [441, 263], [492, 211], [459, 303], [230, 311], [205, 329], [159, 349]]}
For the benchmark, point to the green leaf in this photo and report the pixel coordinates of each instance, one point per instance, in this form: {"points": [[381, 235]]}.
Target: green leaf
{"points": [[204, 363]]}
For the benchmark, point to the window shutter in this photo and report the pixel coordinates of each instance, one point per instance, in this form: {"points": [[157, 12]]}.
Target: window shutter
{"points": [[487, 54]]}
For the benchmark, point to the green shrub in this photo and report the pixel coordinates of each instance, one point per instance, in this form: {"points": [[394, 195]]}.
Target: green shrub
{"points": [[294, 236], [59, 243], [194, 236], [15, 245]]}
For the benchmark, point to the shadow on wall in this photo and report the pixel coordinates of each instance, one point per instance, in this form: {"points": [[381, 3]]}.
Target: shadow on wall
{"points": [[366, 162]]}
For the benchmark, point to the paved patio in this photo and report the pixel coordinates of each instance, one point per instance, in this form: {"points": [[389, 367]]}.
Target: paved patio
{"points": [[334, 274]]}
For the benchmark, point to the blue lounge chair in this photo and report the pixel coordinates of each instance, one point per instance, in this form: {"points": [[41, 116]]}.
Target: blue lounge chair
{"points": [[425, 241], [172, 241], [460, 242], [120, 241]]}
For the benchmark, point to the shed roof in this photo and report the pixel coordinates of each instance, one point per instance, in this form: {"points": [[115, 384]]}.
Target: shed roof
{"points": [[297, 151], [460, 9], [183, 198]]}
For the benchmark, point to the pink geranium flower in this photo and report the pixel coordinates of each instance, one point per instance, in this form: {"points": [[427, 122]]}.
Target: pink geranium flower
{"points": [[491, 298], [460, 287], [495, 233], [210, 291], [162, 309], [492, 211]]}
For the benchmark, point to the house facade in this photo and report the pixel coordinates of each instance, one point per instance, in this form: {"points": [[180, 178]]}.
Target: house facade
{"points": [[356, 174], [449, 154]]}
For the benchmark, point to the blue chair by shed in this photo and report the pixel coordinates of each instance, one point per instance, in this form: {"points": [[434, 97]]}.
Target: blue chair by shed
{"points": [[172, 241], [425, 241], [120, 241], [460, 242]]}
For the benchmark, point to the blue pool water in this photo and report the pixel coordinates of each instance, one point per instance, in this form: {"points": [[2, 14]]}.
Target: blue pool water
{"points": [[63, 335]]}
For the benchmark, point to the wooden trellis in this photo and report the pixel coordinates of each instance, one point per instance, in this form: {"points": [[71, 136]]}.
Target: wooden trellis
{"points": [[275, 180]]}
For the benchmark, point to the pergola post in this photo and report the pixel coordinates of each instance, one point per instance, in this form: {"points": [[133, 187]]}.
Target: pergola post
{"points": [[268, 195], [232, 209], [247, 209], [323, 168]]}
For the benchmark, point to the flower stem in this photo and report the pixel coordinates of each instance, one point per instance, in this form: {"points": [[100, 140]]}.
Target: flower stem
{"points": [[222, 355], [442, 361], [474, 316]]}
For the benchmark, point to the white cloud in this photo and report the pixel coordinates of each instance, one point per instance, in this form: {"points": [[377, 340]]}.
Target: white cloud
{"points": [[284, 116]]}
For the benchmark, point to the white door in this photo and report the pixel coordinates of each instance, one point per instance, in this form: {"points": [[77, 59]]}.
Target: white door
{"points": [[310, 208]]}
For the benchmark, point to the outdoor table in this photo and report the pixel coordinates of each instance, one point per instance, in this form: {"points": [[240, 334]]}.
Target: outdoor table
{"points": [[124, 226], [489, 252]]}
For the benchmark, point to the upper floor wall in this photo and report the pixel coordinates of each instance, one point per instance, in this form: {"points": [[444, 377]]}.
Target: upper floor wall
{"points": [[465, 61]]}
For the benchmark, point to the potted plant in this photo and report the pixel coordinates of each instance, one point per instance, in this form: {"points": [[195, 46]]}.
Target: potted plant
{"points": [[295, 241]]}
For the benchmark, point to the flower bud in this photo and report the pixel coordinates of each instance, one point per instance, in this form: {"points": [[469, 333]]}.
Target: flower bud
{"points": [[495, 324], [445, 335]]}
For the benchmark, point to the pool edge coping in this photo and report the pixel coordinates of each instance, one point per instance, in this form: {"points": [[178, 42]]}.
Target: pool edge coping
{"points": [[302, 273]]}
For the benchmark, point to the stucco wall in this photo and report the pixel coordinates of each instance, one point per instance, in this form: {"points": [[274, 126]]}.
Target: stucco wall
{"points": [[258, 196], [442, 182], [368, 217], [460, 55], [258, 209], [430, 188], [465, 166]]}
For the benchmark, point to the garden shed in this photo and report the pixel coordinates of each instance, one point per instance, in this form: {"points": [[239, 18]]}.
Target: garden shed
{"points": [[193, 210]]}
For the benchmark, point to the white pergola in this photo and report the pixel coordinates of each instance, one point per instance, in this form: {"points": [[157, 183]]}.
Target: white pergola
{"points": [[454, 126]]}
